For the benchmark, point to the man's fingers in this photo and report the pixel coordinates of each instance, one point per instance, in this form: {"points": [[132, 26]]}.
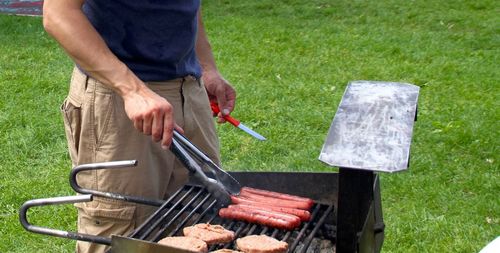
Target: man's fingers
{"points": [[138, 124], [146, 124], [221, 101], [220, 118], [168, 128], [179, 129], [226, 98], [157, 126]]}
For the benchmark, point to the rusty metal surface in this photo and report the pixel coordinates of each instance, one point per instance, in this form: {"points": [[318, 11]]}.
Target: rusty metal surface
{"points": [[373, 127]]}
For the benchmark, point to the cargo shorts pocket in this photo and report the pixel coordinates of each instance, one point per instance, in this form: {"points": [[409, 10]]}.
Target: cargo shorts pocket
{"points": [[71, 110], [102, 218]]}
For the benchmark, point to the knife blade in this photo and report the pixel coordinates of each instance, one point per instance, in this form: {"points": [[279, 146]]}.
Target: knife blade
{"points": [[236, 123]]}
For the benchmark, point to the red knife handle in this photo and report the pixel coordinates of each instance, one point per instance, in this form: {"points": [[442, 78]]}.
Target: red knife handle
{"points": [[216, 110], [232, 120]]}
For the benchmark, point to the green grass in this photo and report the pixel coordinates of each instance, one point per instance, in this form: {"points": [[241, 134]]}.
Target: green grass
{"points": [[290, 62]]}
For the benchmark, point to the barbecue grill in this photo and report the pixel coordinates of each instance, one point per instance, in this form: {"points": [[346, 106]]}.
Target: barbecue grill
{"points": [[347, 214]]}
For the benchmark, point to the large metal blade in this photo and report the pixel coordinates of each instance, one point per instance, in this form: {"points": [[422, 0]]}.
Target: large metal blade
{"points": [[373, 127]]}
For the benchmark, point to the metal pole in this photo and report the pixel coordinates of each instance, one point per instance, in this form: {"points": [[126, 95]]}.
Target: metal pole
{"points": [[355, 196]]}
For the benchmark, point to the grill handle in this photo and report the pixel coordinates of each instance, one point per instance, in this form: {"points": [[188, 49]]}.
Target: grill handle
{"points": [[54, 232], [108, 165]]}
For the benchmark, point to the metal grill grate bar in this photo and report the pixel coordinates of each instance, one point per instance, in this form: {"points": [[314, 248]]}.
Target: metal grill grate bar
{"points": [[287, 235], [315, 229], [161, 232], [275, 233], [165, 205], [202, 215], [304, 228], [158, 222], [212, 218], [188, 217], [252, 229], [264, 230]]}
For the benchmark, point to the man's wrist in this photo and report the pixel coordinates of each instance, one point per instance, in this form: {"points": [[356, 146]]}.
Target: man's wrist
{"points": [[125, 82]]}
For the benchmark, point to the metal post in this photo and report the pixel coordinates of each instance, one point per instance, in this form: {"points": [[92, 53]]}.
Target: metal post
{"points": [[355, 195]]}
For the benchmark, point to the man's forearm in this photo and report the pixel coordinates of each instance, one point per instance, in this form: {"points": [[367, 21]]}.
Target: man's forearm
{"points": [[203, 48], [65, 21], [219, 90]]}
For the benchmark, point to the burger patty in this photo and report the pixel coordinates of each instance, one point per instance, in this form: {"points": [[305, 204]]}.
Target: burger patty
{"points": [[226, 251], [261, 244], [186, 243], [211, 234]]}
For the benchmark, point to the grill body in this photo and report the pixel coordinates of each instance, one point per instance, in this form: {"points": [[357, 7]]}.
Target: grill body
{"points": [[329, 230], [193, 204]]}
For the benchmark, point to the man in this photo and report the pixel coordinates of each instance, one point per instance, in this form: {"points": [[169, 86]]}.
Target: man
{"points": [[140, 66]]}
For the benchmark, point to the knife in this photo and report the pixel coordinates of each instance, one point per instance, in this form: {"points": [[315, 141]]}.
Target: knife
{"points": [[235, 122]]}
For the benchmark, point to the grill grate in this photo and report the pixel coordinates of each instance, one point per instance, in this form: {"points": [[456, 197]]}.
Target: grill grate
{"points": [[192, 204]]}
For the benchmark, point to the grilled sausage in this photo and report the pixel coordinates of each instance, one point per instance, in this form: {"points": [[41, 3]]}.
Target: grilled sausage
{"points": [[304, 215], [263, 217], [295, 220], [244, 197], [276, 195]]}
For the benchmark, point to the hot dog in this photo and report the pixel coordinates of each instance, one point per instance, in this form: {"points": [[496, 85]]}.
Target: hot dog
{"points": [[278, 195], [263, 217], [246, 196], [295, 220], [304, 215]]}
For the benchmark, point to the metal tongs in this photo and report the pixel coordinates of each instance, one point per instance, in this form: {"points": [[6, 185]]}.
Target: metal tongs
{"points": [[220, 184]]}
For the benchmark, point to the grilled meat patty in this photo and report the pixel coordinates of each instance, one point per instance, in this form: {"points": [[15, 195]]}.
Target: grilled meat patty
{"points": [[186, 243], [211, 234], [261, 244], [226, 251]]}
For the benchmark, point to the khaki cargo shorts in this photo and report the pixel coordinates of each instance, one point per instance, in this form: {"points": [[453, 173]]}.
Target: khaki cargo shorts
{"points": [[98, 130]]}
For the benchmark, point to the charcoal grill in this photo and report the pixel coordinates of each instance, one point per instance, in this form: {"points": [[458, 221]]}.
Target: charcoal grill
{"points": [[346, 216], [192, 204]]}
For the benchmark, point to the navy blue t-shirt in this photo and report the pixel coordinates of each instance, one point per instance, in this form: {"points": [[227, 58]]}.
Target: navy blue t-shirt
{"points": [[154, 38]]}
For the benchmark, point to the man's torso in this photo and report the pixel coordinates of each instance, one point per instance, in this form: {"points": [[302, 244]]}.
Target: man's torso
{"points": [[155, 39]]}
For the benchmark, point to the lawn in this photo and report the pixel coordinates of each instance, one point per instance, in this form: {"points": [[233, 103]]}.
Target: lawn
{"points": [[290, 62]]}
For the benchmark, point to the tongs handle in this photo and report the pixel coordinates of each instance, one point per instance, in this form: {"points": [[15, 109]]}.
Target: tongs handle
{"points": [[213, 186], [187, 160], [228, 182], [182, 140]]}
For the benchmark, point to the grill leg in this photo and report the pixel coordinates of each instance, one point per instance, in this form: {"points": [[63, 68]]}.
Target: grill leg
{"points": [[355, 195]]}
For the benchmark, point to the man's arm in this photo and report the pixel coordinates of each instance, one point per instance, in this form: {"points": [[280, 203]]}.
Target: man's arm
{"points": [[150, 113], [218, 89]]}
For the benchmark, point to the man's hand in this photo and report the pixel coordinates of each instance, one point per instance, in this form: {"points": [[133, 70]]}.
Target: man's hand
{"points": [[152, 115], [219, 90]]}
